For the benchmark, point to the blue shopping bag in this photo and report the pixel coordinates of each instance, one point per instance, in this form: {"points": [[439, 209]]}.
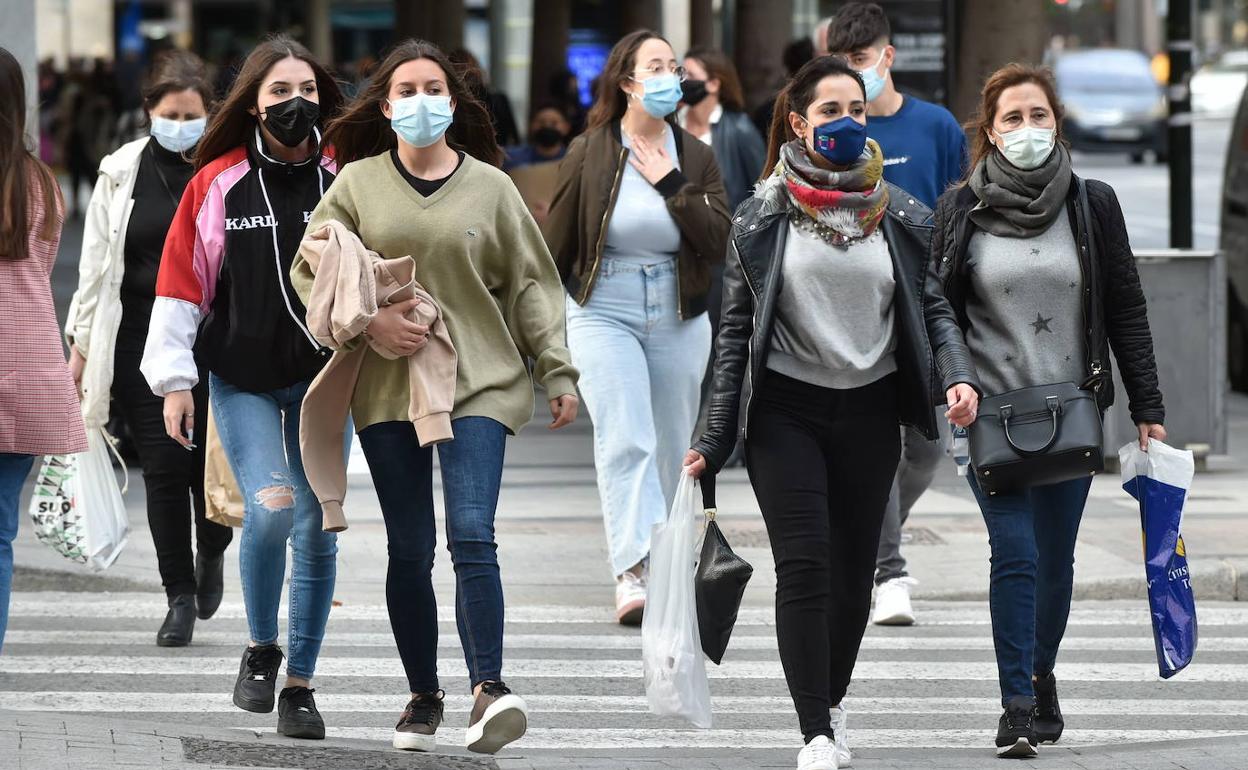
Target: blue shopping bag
{"points": [[1159, 479]]}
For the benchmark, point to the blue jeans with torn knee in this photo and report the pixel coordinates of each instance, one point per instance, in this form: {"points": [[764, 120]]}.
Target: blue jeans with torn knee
{"points": [[260, 435]]}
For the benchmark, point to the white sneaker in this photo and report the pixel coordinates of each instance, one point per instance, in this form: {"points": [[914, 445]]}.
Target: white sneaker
{"points": [[892, 602], [630, 599], [819, 754], [840, 721]]}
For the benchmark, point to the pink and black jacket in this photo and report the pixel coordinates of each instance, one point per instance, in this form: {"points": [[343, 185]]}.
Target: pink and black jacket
{"points": [[223, 294]]}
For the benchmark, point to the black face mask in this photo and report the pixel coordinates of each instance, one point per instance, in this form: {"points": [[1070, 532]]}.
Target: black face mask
{"points": [[547, 136], [693, 91], [290, 122]]}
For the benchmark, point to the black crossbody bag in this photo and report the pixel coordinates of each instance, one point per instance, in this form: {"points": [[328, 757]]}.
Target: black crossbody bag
{"points": [[1045, 434]]}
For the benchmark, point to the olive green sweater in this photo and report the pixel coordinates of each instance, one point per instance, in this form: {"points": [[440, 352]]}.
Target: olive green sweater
{"points": [[481, 256]]}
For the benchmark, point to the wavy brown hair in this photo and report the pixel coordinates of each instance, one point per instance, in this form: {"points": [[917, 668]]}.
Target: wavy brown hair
{"points": [[363, 130], [232, 124], [1013, 74], [796, 96], [719, 67], [176, 71], [610, 103], [22, 175]]}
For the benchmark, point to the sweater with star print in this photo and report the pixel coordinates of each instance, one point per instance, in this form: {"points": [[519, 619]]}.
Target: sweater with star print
{"points": [[1024, 309]]}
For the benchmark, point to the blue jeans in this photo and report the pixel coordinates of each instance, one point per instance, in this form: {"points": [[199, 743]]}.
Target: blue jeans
{"points": [[1032, 534], [472, 472], [260, 436], [13, 472], [641, 377]]}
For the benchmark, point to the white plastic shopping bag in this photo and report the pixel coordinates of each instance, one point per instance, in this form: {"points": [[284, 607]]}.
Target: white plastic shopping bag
{"points": [[1160, 479], [671, 652], [76, 506]]}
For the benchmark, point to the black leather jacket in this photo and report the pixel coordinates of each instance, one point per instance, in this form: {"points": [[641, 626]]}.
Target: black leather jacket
{"points": [[1113, 301], [752, 282]]}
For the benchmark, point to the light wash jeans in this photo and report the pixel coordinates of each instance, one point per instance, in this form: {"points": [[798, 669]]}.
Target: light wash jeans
{"points": [[260, 436], [641, 374]]}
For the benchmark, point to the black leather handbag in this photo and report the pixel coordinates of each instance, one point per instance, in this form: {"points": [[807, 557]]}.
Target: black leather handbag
{"points": [[1034, 436], [719, 581]]}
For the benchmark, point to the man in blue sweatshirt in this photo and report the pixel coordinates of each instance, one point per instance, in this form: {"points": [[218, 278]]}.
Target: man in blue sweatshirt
{"points": [[924, 154]]}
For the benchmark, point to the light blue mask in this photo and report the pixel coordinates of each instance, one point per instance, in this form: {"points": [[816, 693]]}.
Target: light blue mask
{"points": [[873, 80], [662, 94], [177, 135], [422, 119]]}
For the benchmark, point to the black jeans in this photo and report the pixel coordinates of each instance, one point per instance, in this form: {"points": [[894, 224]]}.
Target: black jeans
{"points": [[821, 462], [173, 476]]}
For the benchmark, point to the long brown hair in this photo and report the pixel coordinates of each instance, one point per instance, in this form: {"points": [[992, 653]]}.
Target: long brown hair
{"points": [[17, 187], [363, 130], [610, 103], [796, 96], [175, 71], [1013, 74], [232, 125], [719, 67]]}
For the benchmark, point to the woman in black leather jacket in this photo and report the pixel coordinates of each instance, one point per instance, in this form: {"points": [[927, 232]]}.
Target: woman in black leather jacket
{"points": [[1041, 287], [822, 351]]}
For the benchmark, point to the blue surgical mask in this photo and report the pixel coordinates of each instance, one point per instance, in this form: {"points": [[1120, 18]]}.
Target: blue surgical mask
{"points": [[422, 119], [1027, 147], [873, 80], [841, 141], [661, 95], [177, 135]]}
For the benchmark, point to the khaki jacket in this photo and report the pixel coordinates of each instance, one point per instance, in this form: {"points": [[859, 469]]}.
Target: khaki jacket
{"points": [[350, 283]]}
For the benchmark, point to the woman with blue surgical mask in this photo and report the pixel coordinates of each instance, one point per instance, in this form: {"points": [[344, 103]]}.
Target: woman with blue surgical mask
{"points": [[420, 177], [135, 197], [638, 220]]}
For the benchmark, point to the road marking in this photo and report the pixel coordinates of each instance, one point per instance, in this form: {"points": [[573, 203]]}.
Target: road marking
{"points": [[522, 668]]}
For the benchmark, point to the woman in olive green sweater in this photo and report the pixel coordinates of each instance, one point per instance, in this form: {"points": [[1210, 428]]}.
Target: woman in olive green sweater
{"points": [[435, 193]]}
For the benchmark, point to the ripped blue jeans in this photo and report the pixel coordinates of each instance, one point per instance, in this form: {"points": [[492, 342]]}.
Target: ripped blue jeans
{"points": [[260, 435]]}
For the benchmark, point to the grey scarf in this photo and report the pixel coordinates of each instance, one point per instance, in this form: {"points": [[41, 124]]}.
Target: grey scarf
{"points": [[1020, 204]]}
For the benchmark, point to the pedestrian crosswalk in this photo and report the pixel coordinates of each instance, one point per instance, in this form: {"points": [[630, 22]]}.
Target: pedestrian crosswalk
{"points": [[932, 685]]}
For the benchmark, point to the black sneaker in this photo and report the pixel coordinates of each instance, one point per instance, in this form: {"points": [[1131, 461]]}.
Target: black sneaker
{"points": [[1016, 732], [1049, 722], [297, 716], [417, 728], [257, 678]]}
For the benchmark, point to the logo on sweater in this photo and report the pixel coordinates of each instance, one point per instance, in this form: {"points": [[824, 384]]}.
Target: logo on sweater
{"points": [[249, 223], [897, 161], [471, 232]]}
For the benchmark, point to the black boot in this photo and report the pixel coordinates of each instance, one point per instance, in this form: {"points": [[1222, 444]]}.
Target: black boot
{"points": [[1049, 722], [179, 624], [210, 583]]}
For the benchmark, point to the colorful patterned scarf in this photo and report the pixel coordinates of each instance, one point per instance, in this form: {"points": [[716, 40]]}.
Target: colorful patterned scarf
{"points": [[838, 206]]}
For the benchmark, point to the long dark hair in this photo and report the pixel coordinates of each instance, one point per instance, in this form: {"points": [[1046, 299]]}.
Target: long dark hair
{"points": [[719, 67], [232, 125], [610, 103], [175, 71], [18, 185], [1013, 74], [363, 130], [796, 96]]}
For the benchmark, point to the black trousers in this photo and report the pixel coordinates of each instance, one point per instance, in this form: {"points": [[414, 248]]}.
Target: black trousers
{"points": [[821, 462], [174, 477]]}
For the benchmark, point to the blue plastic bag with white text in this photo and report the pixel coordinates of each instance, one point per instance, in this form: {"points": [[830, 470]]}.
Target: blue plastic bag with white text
{"points": [[1159, 479]]}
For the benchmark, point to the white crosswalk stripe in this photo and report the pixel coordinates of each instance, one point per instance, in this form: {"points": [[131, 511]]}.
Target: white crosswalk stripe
{"points": [[932, 685]]}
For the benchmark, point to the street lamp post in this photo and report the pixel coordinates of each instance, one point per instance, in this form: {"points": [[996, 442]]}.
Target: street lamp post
{"points": [[1179, 130]]}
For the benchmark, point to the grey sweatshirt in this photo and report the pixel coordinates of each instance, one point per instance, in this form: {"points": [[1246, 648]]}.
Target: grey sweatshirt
{"points": [[834, 315], [1024, 309]]}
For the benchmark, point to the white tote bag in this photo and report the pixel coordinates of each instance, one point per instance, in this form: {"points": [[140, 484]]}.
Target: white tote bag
{"points": [[76, 506], [671, 652]]}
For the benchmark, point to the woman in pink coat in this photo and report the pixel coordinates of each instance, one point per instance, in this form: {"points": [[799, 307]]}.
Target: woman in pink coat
{"points": [[39, 411]]}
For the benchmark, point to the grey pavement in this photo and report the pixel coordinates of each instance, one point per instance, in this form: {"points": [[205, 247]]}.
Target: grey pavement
{"points": [[82, 685]]}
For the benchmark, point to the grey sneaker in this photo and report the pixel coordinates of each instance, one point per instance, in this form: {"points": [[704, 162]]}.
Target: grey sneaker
{"points": [[498, 717], [417, 728]]}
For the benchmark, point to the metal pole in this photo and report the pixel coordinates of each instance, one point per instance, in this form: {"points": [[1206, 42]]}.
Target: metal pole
{"points": [[1179, 132]]}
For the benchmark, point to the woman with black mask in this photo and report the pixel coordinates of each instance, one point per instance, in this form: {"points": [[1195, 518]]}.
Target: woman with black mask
{"points": [[224, 300]]}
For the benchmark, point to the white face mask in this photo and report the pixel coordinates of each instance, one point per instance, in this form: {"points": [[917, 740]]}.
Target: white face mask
{"points": [[1027, 147], [177, 135]]}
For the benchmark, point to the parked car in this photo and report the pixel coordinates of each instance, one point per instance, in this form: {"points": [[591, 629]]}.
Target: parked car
{"points": [[1113, 103], [1218, 86]]}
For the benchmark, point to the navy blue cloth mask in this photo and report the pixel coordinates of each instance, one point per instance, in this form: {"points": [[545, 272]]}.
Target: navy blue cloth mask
{"points": [[841, 141]]}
